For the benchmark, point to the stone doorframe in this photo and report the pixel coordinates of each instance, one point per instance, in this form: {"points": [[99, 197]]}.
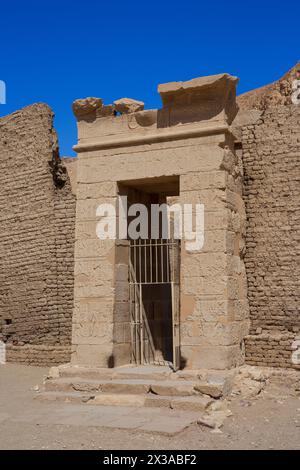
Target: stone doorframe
{"points": [[190, 138]]}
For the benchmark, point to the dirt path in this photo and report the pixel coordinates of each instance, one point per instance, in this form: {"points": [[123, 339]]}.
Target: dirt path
{"points": [[270, 421]]}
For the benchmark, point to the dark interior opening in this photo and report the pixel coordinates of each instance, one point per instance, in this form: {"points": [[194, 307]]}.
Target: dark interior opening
{"points": [[150, 274]]}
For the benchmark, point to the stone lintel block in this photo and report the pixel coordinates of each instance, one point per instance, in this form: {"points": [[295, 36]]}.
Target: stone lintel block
{"points": [[128, 105], [213, 93], [160, 161]]}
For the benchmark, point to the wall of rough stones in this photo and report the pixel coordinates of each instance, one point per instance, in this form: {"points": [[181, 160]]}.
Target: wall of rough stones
{"points": [[271, 157], [37, 212]]}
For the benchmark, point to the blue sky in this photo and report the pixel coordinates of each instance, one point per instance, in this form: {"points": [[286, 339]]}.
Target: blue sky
{"points": [[57, 51]]}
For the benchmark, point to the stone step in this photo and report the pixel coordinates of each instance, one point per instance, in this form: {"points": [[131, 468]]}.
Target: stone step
{"points": [[213, 383], [66, 397], [189, 403], [124, 372], [174, 388], [126, 386], [111, 386], [96, 373]]}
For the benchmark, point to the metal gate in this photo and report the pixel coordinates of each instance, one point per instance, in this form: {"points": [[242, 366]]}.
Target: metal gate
{"points": [[154, 287]]}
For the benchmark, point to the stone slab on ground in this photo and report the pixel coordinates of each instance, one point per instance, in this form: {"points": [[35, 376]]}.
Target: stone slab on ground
{"points": [[119, 417], [66, 397]]}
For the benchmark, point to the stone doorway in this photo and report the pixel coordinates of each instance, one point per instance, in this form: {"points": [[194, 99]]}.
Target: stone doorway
{"points": [[147, 153], [153, 274]]}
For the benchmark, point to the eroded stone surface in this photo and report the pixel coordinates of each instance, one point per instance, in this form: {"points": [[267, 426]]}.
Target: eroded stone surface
{"points": [[276, 94], [84, 106], [128, 105], [173, 389], [195, 403], [115, 399]]}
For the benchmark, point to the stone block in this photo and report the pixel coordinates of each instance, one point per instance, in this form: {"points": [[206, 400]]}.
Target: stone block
{"points": [[126, 386], [117, 399], [191, 403], [167, 388]]}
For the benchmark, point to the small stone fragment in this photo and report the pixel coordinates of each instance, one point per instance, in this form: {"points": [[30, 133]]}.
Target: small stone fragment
{"points": [[128, 105], [86, 106]]}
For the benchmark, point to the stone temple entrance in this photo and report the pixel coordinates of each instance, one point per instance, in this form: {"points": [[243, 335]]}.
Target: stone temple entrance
{"points": [[192, 314]]}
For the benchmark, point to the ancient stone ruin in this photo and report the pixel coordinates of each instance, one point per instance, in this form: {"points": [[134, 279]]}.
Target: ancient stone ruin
{"points": [[68, 297]]}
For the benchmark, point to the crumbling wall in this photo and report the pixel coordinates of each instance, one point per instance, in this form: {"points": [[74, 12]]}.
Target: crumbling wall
{"points": [[271, 158], [37, 211]]}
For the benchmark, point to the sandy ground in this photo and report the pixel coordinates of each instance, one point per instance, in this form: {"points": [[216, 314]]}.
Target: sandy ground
{"points": [[269, 421]]}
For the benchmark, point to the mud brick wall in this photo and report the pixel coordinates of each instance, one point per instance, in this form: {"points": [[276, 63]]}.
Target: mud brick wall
{"points": [[271, 157], [37, 223]]}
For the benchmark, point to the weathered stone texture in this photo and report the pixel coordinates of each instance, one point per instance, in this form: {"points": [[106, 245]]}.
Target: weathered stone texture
{"points": [[187, 139], [271, 156], [36, 240], [275, 94]]}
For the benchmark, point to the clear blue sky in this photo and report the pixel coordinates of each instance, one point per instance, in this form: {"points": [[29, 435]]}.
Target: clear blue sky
{"points": [[57, 51]]}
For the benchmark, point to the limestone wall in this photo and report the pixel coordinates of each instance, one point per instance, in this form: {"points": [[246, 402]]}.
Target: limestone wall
{"points": [[37, 211], [271, 157]]}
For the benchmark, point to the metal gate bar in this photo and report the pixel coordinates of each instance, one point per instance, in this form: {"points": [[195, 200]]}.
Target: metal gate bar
{"points": [[152, 262]]}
